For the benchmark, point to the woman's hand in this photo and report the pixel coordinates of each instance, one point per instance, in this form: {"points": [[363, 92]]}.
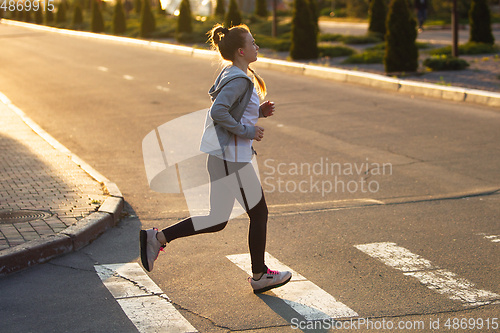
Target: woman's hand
{"points": [[267, 108], [259, 133]]}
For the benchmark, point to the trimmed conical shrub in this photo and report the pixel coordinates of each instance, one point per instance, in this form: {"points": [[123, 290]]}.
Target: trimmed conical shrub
{"points": [[38, 17], [119, 22], [220, 8], [96, 20], [480, 23], [77, 15], [233, 16], [357, 8], [49, 16], [304, 37], [61, 12], [138, 6], [401, 52], [19, 15], [313, 5], [261, 8], [184, 23], [148, 23], [27, 16], [377, 17]]}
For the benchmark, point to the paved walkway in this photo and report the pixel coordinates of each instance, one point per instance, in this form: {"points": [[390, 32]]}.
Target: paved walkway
{"points": [[42, 191]]}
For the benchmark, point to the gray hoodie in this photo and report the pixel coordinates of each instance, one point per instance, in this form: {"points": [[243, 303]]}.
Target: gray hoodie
{"points": [[230, 95]]}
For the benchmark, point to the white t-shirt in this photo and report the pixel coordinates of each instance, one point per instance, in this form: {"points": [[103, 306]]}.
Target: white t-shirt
{"points": [[240, 149]]}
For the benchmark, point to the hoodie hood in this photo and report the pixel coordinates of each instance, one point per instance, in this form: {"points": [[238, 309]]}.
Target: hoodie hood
{"points": [[229, 73]]}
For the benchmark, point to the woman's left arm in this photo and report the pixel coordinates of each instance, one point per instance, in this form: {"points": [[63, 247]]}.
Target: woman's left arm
{"points": [[266, 109]]}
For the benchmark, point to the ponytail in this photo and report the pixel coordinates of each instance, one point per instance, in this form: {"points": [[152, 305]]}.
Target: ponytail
{"points": [[259, 82]]}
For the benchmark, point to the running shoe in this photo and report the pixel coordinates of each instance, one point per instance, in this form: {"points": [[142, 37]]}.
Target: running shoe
{"points": [[270, 280], [150, 248]]}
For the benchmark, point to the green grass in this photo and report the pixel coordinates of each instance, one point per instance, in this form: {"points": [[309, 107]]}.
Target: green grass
{"points": [[330, 38], [444, 63], [421, 45], [381, 46], [350, 39], [446, 19], [469, 48], [333, 51], [366, 57], [279, 44], [337, 18], [166, 26]]}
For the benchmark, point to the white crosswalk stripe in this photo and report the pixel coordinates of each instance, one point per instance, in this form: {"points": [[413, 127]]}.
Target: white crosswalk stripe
{"points": [[435, 278], [141, 299], [306, 298]]}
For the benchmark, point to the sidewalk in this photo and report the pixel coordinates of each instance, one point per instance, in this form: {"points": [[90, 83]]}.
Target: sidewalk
{"points": [[48, 204]]}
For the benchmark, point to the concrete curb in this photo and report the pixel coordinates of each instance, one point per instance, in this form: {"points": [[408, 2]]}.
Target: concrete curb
{"points": [[350, 76], [494, 26], [74, 237], [373, 80]]}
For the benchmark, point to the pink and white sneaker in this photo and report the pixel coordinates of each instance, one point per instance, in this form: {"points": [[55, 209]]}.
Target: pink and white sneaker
{"points": [[269, 280], [150, 248]]}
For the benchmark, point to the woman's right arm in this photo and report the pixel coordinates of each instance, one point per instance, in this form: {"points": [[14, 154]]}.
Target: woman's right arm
{"points": [[219, 111]]}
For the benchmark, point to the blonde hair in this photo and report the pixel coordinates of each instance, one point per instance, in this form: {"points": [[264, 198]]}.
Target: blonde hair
{"points": [[227, 42]]}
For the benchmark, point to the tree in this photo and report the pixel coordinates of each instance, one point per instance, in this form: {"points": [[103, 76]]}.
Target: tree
{"points": [[313, 5], [49, 16], [184, 23], [38, 17], [96, 20], [233, 16], [138, 6], [401, 52], [61, 12], [19, 14], [220, 9], [261, 8], [377, 17], [77, 15], [304, 37], [148, 23], [480, 23], [357, 8], [119, 22], [27, 16]]}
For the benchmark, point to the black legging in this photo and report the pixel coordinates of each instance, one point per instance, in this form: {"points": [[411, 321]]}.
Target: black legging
{"points": [[242, 185]]}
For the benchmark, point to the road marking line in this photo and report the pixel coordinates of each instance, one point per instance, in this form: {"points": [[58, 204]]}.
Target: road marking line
{"points": [[165, 89], [128, 77], [341, 203], [492, 238], [303, 296], [440, 280], [334, 205], [102, 69], [141, 299]]}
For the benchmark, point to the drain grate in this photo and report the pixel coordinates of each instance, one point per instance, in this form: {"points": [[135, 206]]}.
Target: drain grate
{"points": [[22, 216]]}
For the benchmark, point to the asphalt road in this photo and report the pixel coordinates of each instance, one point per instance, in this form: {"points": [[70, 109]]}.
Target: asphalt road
{"points": [[101, 99], [428, 35]]}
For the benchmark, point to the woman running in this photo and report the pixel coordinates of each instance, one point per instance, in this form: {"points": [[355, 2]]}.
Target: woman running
{"points": [[232, 118]]}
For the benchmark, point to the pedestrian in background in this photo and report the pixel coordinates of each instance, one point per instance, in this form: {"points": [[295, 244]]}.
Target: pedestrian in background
{"points": [[232, 116], [421, 8]]}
